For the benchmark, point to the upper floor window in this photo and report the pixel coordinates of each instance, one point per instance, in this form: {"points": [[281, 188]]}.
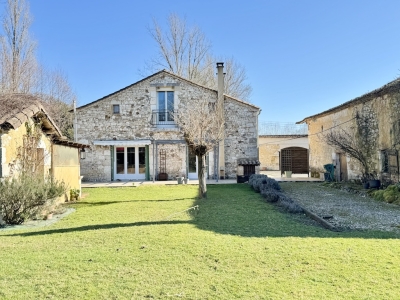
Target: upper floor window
{"points": [[115, 108], [165, 102]]}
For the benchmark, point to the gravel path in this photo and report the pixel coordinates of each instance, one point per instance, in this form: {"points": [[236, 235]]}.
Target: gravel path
{"points": [[348, 211]]}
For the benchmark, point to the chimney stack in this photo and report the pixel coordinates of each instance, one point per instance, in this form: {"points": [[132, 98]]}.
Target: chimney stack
{"points": [[221, 146], [220, 68]]}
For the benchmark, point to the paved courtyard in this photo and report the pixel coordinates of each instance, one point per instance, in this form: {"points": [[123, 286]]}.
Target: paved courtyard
{"points": [[132, 183]]}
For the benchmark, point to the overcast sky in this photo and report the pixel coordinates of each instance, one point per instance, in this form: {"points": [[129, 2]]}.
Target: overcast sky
{"points": [[301, 57]]}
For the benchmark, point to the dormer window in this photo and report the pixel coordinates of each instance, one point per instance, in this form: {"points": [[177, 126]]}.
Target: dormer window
{"points": [[115, 109]]}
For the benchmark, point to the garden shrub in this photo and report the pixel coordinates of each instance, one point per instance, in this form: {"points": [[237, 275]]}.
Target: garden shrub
{"points": [[271, 192], [271, 183], [390, 195], [26, 196], [289, 205], [255, 181], [270, 195]]}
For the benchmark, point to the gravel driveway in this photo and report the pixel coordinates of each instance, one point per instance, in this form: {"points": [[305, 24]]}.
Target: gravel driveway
{"points": [[348, 211]]}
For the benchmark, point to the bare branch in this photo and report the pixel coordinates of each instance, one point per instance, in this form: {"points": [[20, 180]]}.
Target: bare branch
{"points": [[186, 52]]}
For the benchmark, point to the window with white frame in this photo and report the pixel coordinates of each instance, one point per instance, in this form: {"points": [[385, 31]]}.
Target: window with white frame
{"points": [[165, 103]]}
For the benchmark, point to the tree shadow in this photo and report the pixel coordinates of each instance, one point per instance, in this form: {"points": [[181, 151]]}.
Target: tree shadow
{"points": [[234, 210], [100, 226], [238, 210], [101, 203]]}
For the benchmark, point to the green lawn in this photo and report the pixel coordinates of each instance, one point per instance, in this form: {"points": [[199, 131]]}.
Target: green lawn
{"points": [[132, 243]]}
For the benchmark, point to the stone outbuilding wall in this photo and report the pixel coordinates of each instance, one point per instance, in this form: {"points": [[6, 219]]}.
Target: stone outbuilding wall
{"points": [[381, 109], [271, 145]]}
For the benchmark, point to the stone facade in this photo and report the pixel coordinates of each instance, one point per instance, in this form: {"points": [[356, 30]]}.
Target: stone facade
{"points": [[136, 126], [241, 134], [381, 108]]}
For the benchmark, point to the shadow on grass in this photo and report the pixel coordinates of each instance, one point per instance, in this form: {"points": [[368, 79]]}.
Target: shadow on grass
{"points": [[100, 226], [238, 210], [101, 203], [234, 210]]}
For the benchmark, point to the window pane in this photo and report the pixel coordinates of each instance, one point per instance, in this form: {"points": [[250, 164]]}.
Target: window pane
{"points": [[161, 106], [192, 162], [131, 160], [142, 160], [116, 108], [120, 160], [170, 105]]}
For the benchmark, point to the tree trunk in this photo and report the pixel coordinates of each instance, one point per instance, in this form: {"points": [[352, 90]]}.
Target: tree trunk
{"points": [[202, 176]]}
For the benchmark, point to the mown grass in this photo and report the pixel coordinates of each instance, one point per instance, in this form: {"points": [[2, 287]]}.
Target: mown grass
{"points": [[137, 243]]}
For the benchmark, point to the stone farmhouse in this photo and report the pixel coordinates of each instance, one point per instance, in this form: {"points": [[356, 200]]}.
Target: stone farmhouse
{"points": [[53, 155], [373, 122], [133, 135]]}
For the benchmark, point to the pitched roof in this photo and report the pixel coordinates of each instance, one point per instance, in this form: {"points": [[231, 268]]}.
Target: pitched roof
{"points": [[393, 86], [173, 75], [16, 109]]}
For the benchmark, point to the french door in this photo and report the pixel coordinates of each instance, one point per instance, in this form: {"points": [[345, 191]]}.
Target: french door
{"points": [[130, 162], [193, 165]]}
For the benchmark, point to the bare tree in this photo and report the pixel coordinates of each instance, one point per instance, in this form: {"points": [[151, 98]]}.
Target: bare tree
{"points": [[185, 51], [343, 141], [181, 50], [18, 62], [361, 144], [202, 124], [21, 73], [57, 98]]}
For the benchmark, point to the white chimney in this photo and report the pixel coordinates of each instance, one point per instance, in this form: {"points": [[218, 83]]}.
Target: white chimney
{"points": [[220, 68], [221, 146]]}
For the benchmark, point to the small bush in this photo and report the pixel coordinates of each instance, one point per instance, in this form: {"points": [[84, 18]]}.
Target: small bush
{"points": [[289, 205], [255, 181], [280, 199], [270, 190], [26, 196], [390, 195], [270, 195], [271, 183]]}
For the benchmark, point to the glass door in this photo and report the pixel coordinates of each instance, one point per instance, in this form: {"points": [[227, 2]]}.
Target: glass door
{"points": [[192, 164], [130, 163]]}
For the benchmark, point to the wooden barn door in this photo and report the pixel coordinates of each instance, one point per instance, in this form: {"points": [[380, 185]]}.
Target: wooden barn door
{"points": [[294, 159]]}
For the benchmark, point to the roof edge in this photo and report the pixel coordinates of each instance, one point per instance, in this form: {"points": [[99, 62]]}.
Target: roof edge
{"points": [[284, 135], [171, 74], [387, 88]]}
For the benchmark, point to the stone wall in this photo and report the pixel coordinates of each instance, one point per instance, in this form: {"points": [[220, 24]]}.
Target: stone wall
{"points": [[175, 160], [241, 134], [97, 122], [383, 111], [270, 146]]}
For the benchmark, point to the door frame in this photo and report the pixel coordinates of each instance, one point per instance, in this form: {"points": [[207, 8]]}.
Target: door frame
{"points": [[125, 175], [192, 175]]}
